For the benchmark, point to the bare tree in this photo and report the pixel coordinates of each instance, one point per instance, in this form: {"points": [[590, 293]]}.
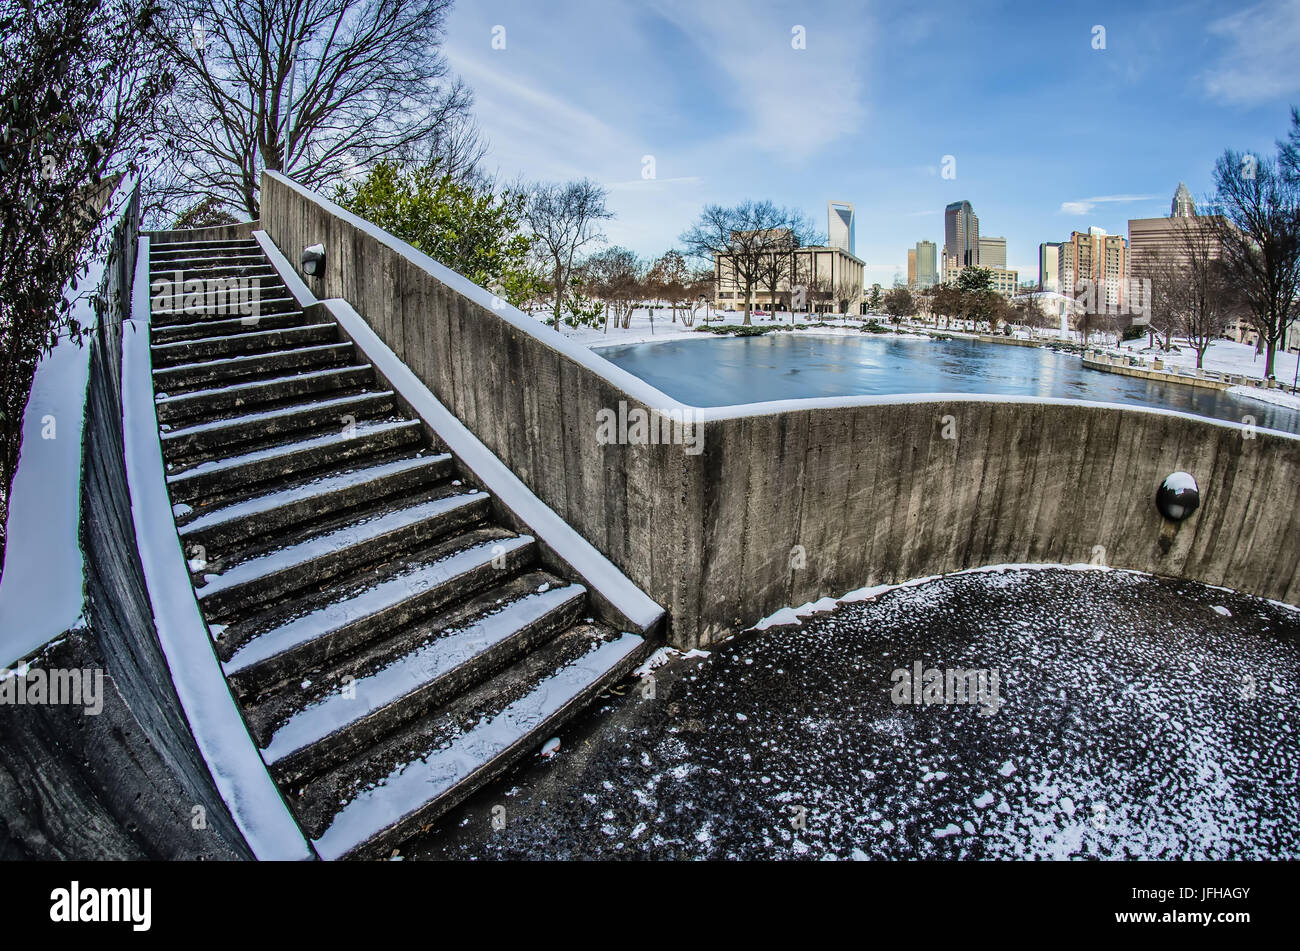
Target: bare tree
{"points": [[1259, 234], [565, 218], [615, 276], [743, 241], [1164, 279], [669, 280], [1207, 294], [846, 291], [79, 82], [315, 89]]}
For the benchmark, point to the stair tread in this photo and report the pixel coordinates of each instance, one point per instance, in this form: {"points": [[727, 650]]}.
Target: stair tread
{"points": [[195, 397], [363, 428], [179, 346], [356, 531], [304, 490], [437, 653], [351, 600], [274, 414], [409, 772]]}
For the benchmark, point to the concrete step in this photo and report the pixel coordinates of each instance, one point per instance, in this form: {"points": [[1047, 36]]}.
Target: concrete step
{"points": [[337, 710], [224, 326], [265, 649], [194, 443], [203, 268], [365, 806], [236, 582], [268, 302], [209, 404], [296, 458], [210, 248], [176, 379], [292, 503], [240, 344]]}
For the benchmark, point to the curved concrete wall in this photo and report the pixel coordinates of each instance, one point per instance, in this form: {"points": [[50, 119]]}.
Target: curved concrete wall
{"points": [[875, 494], [870, 489]]}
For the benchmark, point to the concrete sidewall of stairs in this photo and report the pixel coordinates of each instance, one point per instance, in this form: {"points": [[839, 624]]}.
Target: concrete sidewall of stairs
{"points": [[128, 782], [790, 503]]}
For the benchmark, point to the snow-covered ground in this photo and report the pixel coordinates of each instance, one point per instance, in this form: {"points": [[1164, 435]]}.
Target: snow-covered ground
{"points": [[643, 329], [1225, 356]]}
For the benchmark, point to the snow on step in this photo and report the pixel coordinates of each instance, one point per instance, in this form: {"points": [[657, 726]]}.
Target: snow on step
{"points": [[356, 533], [413, 784], [374, 600], [316, 487], [247, 359], [272, 415], [197, 396], [362, 428], [408, 673], [270, 336]]}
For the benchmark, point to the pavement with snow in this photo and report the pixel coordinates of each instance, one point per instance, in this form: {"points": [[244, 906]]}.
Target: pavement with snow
{"points": [[1139, 718]]}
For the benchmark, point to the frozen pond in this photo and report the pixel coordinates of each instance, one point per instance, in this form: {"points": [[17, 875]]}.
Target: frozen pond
{"points": [[723, 371]]}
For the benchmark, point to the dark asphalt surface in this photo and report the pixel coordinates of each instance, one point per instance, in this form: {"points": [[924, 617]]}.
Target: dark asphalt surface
{"points": [[1139, 718]]}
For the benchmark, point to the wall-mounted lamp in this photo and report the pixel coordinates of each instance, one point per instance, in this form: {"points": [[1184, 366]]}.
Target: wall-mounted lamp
{"points": [[1178, 496], [313, 261]]}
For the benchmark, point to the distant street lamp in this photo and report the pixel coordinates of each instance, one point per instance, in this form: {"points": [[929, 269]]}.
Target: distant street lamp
{"points": [[705, 301]]}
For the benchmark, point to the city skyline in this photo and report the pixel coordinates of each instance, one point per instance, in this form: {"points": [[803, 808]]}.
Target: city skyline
{"points": [[727, 110]]}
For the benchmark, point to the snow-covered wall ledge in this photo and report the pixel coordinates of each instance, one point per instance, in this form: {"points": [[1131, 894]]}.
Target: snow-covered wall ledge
{"points": [[784, 503]]}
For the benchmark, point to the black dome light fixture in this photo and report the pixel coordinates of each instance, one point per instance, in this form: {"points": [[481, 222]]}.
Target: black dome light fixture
{"points": [[313, 261], [1178, 496]]}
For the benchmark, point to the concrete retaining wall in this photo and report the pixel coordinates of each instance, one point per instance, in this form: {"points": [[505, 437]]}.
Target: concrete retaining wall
{"points": [[128, 782], [869, 489]]}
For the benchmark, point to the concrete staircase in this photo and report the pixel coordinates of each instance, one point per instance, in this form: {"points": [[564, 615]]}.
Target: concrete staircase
{"points": [[391, 643]]}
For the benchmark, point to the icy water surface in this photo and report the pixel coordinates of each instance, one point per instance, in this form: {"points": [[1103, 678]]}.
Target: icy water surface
{"points": [[729, 370]]}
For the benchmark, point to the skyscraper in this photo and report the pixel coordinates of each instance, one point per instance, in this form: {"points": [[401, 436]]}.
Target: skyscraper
{"points": [[911, 267], [1182, 206], [993, 252], [1049, 275], [839, 225], [961, 235], [927, 269], [1096, 266]]}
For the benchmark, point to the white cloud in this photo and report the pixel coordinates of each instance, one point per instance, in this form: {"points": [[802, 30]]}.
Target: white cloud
{"points": [[1084, 206], [1258, 63]]}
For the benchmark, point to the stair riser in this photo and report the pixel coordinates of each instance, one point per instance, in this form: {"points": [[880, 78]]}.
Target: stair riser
{"points": [[382, 844], [189, 488], [170, 379], [343, 640], [219, 605], [250, 341], [191, 449], [293, 514], [363, 733], [221, 328], [271, 303], [218, 403]]}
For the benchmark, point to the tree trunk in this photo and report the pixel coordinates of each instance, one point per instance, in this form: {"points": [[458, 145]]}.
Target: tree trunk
{"points": [[749, 296]]}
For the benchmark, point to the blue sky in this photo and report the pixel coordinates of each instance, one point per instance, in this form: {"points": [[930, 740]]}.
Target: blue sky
{"points": [[1048, 134]]}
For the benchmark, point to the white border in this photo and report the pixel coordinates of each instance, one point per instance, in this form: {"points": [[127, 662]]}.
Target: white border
{"points": [[219, 730]]}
